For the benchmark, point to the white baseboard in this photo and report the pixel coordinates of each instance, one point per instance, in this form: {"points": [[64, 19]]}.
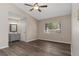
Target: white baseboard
{"points": [[30, 40], [55, 41], [4, 45]]}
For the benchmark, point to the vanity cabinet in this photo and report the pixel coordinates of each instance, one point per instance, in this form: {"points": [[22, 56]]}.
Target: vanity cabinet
{"points": [[14, 37]]}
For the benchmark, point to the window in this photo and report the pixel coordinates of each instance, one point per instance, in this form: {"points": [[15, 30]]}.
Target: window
{"points": [[52, 26]]}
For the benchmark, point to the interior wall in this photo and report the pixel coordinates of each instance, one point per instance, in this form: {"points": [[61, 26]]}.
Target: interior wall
{"points": [[3, 25], [64, 36], [31, 26], [75, 29]]}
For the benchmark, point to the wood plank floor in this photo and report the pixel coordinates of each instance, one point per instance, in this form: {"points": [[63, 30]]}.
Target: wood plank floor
{"points": [[36, 48]]}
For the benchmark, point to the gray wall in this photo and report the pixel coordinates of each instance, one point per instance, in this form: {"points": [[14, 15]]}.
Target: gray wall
{"points": [[3, 25], [75, 29], [64, 36]]}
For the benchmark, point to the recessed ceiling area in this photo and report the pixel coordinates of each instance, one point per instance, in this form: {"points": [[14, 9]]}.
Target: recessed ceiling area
{"points": [[53, 10]]}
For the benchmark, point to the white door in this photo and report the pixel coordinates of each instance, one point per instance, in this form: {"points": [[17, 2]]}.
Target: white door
{"points": [[23, 30]]}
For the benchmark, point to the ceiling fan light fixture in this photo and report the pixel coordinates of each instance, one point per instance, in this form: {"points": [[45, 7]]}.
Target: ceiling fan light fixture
{"points": [[36, 7]]}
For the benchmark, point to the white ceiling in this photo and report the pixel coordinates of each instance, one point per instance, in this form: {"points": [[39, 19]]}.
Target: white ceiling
{"points": [[53, 10]]}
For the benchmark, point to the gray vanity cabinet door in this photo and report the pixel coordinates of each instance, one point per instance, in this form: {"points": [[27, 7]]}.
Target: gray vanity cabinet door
{"points": [[18, 37], [14, 37]]}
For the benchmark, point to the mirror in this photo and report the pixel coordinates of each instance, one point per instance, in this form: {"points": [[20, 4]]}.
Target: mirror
{"points": [[13, 27]]}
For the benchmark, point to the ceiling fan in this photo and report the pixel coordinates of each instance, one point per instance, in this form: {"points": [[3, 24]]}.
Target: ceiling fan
{"points": [[36, 6]]}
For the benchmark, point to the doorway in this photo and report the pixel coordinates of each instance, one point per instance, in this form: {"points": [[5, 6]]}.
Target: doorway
{"points": [[17, 29]]}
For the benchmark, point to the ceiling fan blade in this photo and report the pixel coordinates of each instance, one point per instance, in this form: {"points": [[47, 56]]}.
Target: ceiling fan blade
{"points": [[35, 4], [43, 6], [31, 9], [28, 5], [39, 10]]}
